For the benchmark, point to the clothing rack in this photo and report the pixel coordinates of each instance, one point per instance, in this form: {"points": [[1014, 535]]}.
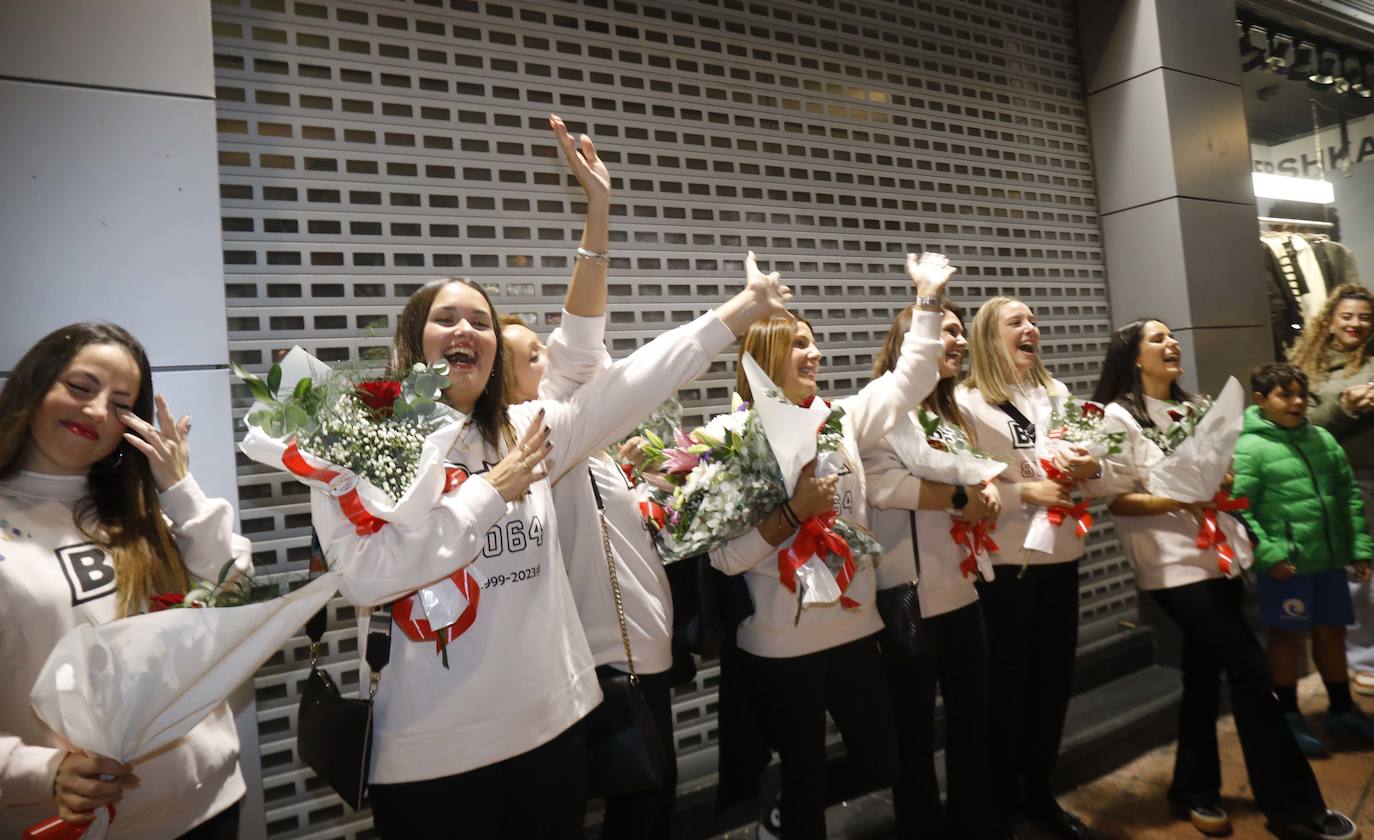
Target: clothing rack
{"points": [[1271, 220]]}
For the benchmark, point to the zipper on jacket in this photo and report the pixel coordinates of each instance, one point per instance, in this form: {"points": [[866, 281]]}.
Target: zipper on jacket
{"points": [[1317, 491]]}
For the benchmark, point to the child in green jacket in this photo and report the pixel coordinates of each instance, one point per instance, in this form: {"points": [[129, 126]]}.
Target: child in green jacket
{"points": [[1310, 520]]}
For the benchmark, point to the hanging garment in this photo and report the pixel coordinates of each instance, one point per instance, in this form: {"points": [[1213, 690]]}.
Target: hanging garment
{"points": [[1295, 284], [1337, 262]]}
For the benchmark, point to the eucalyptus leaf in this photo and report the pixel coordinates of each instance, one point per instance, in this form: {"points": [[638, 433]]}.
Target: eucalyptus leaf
{"points": [[226, 570], [274, 379], [302, 390]]}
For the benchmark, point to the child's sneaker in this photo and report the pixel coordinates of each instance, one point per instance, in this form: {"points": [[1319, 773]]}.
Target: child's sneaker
{"points": [[1332, 825], [1308, 742], [1352, 722], [770, 822], [1363, 683]]}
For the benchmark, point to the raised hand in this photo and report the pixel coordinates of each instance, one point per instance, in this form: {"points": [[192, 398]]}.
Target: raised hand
{"points": [[523, 464], [763, 296], [166, 448], [930, 272], [589, 169]]}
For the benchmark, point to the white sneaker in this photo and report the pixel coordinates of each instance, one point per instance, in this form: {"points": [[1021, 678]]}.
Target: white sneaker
{"points": [[770, 823], [1363, 683]]}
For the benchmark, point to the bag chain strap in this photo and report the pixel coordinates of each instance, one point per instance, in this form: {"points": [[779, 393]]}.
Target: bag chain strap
{"points": [[615, 579]]}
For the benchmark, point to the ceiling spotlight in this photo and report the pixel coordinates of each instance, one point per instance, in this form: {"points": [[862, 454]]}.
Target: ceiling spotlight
{"points": [[1274, 60], [1322, 77], [1251, 56]]}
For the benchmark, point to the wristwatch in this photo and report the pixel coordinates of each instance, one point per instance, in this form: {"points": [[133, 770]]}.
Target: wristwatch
{"points": [[960, 498], [923, 301]]}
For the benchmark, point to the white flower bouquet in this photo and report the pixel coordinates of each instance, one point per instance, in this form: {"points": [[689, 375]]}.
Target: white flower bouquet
{"points": [[730, 473]]}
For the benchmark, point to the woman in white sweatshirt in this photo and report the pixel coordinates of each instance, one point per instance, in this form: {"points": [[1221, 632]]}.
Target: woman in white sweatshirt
{"points": [[489, 746], [911, 516], [799, 666], [1139, 386], [99, 512], [1031, 616]]}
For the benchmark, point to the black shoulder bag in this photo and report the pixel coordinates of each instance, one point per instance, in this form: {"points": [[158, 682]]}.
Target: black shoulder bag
{"points": [[624, 752], [900, 606], [333, 732]]}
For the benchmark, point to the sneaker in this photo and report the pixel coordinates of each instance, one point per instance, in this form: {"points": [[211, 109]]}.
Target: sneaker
{"points": [[770, 822], [1211, 819], [1309, 743], [1331, 825], [1363, 683], [1060, 824], [1352, 722]]}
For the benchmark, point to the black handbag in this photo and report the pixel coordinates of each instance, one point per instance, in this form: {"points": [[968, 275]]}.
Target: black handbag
{"points": [[333, 732], [624, 751], [900, 606]]}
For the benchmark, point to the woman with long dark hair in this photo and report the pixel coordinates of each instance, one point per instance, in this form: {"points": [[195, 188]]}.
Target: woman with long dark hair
{"points": [[1139, 386], [1030, 608], [99, 512], [913, 515], [490, 745], [800, 665]]}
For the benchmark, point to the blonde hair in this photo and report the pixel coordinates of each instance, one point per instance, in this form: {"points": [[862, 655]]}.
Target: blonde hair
{"points": [[1312, 352], [769, 341], [508, 362], [991, 369]]}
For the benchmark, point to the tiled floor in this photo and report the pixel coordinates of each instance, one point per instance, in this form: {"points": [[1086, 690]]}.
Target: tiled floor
{"points": [[1129, 803]]}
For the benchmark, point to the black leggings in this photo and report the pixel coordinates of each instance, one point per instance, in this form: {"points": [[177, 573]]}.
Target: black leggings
{"points": [[1217, 640], [955, 658], [794, 694], [537, 794]]}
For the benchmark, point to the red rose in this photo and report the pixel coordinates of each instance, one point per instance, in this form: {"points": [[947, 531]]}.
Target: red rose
{"points": [[164, 601], [1175, 416], [1092, 409], [379, 395]]}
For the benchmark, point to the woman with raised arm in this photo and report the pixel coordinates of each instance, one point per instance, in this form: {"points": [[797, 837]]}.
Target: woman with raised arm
{"points": [[1139, 386], [1031, 614], [100, 512], [490, 745], [799, 665], [910, 515]]}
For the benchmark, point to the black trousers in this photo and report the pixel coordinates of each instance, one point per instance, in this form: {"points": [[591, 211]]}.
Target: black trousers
{"points": [[537, 794], [222, 826], [955, 658], [648, 814], [1032, 625], [1217, 640], [795, 693]]}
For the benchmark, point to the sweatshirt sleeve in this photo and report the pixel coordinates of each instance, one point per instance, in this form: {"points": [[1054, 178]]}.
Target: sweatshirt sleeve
{"points": [[399, 559], [204, 530], [876, 408], [742, 553], [1249, 482], [26, 772], [609, 407], [1326, 411], [1362, 548], [890, 484], [577, 355]]}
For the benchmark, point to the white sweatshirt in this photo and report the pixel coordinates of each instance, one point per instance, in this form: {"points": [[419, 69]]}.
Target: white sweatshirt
{"points": [[894, 493], [1162, 549], [522, 673], [52, 579], [577, 354], [998, 437], [773, 630]]}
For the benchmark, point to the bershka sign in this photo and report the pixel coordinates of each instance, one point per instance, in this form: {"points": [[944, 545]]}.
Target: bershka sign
{"points": [[1306, 164]]}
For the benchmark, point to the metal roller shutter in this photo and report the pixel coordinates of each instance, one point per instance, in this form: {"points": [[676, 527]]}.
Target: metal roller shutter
{"points": [[368, 147]]}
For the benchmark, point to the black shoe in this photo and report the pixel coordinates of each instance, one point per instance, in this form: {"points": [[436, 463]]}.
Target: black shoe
{"points": [[1332, 825], [1064, 825]]}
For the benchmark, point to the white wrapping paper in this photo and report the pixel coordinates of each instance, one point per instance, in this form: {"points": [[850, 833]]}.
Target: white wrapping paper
{"points": [[791, 429], [1196, 468]]}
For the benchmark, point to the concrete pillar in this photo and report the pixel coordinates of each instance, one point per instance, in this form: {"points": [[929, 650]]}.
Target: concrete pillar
{"points": [[111, 212], [1173, 167]]}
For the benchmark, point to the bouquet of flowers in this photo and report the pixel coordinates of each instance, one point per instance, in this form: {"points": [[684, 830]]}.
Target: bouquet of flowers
{"points": [[1194, 464], [235, 587], [131, 687], [1073, 425], [1081, 424], [728, 474]]}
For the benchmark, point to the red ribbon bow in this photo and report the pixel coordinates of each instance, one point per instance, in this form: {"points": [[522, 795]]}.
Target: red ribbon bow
{"points": [[1211, 536], [56, 828], [974, 539], [816, 538], [352, 506], [655, 516], [454, 478], [1059, 513], [410, 617]]}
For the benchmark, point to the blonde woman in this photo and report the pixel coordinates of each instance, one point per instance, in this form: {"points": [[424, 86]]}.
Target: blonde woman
{"points": [[798, 667], [1333, 350], [1031, 616]]}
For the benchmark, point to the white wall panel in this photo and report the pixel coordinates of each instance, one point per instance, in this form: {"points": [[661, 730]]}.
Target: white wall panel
{"points": [[368, 147], [148, 45], [109, 214]]}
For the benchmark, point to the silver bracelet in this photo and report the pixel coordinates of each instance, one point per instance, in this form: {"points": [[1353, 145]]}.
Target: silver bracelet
{"points": [[922, 300], [603, 257]]}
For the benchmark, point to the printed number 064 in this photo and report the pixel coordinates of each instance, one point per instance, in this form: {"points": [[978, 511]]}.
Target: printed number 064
{"points": [[513, 536]]}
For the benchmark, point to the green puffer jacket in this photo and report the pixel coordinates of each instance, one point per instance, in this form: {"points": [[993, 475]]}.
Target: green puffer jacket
{"points": [[1304, 505]]}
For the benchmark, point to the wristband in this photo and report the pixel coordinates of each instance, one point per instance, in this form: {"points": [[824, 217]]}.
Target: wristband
{"points": [[790, 515], [922, 300]]}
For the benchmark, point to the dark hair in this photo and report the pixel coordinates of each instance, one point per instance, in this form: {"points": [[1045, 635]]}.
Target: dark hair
{"points": [[121, 511], [941, 400], [408, 347], [1264, 379], [1120, 378]]}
